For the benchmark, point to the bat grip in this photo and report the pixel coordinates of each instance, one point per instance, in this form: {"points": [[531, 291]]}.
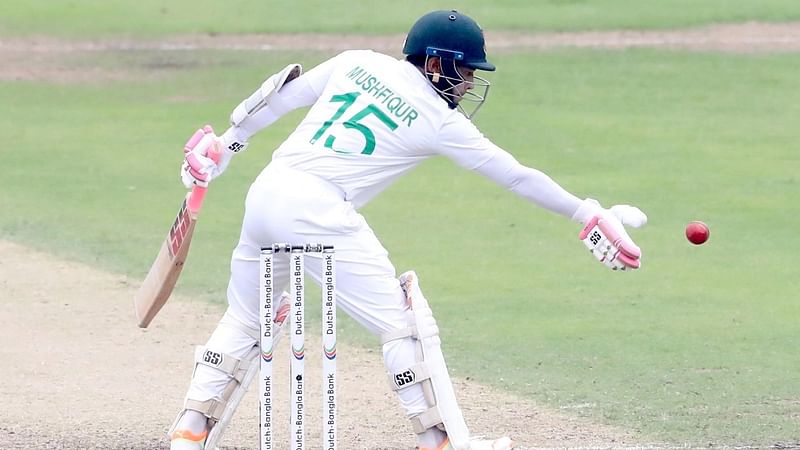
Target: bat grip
{"points": [[195, 200]]}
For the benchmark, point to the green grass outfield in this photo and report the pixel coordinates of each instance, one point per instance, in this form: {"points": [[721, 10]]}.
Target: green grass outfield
{"points": [[699, 347], [150, 18]]}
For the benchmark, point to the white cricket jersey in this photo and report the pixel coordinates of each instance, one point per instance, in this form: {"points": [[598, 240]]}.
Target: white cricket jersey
{"points": [[375, 119]]}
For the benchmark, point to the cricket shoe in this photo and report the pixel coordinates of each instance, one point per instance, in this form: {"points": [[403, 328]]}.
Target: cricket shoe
{"points": [[186, 440], [503, 443]]}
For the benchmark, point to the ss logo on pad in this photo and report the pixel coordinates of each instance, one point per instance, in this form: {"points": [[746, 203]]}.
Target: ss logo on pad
{"points": [[404, 378], [212, 358]]}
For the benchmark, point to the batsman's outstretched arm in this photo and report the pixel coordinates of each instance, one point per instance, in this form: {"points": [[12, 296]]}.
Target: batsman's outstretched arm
{"points": [[603, 233], [540, 189]]}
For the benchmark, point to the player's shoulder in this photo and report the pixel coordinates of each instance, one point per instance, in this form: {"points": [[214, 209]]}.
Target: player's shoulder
{"points": [[364, 55]]}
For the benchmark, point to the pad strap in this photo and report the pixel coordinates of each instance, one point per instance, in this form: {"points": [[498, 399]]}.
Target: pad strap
{"points": [[426, 420], [211, 408], [234, 368], [413, 375]]}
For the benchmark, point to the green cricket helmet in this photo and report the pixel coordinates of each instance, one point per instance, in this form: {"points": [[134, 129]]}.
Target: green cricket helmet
{"points": [[449, 34], [457, 41]]}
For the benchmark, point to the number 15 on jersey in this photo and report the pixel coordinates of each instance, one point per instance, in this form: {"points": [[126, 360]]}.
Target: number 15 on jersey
{"points": [[353, 123]]}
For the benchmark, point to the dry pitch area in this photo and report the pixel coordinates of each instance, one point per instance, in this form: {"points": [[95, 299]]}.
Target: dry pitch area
{"points": [[78, 374]]}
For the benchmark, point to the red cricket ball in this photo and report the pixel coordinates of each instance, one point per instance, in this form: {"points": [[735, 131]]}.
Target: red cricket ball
{"points": [[697, 232]]}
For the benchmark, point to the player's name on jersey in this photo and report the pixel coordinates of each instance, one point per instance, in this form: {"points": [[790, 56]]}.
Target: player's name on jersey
{"points": [[392, 102]]}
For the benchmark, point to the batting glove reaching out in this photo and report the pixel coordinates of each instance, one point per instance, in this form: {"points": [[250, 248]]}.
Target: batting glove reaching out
{"points": [[201, 156], [605, 236]]}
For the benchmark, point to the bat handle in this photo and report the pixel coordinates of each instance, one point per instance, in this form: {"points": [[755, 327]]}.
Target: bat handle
{"points": [[195, 199]]}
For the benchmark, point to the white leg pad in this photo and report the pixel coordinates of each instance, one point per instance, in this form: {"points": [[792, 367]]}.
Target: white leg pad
{"points": [[241, 373], [431, 371], [236, 369], [236, 397]]}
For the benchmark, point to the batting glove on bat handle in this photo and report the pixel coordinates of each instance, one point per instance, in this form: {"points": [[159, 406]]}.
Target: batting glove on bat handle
{"points": [[201, 157]]}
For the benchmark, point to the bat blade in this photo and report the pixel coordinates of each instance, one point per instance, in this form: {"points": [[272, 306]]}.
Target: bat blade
{"points": [[163, 275]]}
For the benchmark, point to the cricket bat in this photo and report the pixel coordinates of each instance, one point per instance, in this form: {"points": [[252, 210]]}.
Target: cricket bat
{"points": [[164, 273], [160, 281]]}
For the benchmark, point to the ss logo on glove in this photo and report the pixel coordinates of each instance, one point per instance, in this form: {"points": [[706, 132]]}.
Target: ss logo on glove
{"points": [[607, 241], [236, 147]]}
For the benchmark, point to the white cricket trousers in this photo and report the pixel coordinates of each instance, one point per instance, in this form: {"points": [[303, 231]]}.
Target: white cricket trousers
{"points": [[284, 205]]}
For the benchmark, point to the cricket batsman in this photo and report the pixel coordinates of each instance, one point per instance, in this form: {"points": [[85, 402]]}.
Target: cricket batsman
{"points": [[372, 118]]}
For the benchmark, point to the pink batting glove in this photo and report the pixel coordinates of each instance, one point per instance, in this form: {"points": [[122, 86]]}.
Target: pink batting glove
{"points": [[606, 239], [200, 158]]}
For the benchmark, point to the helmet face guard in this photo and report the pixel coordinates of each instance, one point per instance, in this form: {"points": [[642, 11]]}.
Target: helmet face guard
{"points": [[449, 82]]}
